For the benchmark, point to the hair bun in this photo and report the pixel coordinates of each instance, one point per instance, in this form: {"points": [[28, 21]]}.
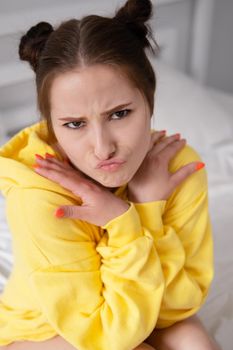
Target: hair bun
{"points": [[134, 14], [138, 11], [33, 42]]}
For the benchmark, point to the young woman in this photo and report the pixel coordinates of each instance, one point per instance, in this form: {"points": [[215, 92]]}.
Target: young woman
{"points": [[112, 238]]}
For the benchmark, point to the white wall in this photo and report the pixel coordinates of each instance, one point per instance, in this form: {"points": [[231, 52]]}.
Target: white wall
{"points": [[220, 65]]}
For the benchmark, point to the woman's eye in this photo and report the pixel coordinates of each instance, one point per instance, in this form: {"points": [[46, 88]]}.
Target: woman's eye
{"points": [[77, 125], [121, 114]]}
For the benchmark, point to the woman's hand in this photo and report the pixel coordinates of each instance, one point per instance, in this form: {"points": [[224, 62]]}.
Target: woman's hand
{"points": [[153, 181], [99, 204]]}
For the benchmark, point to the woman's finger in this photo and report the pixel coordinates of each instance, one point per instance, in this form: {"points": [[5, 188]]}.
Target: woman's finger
{"points": [[50, 165], [81, 212], [155, 137], [180, 175], [55, 164], [65, 163], [69, 179], [165, 153], [47, 171], [164, 142], [171, 150], [52, 162]]}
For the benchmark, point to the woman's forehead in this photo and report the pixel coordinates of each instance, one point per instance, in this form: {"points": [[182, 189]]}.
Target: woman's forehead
{"points": [[99, 86], [97, 75]]}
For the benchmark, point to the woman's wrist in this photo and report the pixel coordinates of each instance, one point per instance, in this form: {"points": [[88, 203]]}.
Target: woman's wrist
{"points": [[115, 210], [122, 208], [137, 198]]}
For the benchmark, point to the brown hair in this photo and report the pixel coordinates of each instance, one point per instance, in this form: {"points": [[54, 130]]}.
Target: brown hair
{"points": [[118, 42]]}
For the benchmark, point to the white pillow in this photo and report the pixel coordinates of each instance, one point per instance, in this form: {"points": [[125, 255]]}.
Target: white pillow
{"points": [[183, 105]]}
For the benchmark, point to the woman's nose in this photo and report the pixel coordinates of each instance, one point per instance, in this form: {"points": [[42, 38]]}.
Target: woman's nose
{"points": [[104, 147]]}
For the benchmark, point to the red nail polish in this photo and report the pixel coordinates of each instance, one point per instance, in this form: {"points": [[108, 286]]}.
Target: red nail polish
{"points": [[200, 165], [48, 155], [39, 156], [36, 166], [59, 213]]}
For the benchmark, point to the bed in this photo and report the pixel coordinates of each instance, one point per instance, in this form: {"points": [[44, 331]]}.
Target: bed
{"points": [[204, 116]]}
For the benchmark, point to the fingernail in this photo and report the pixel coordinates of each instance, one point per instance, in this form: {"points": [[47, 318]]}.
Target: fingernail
{"points": [[36, 166], [59, 213], [200, 165], [38, 156], [48, 155]]}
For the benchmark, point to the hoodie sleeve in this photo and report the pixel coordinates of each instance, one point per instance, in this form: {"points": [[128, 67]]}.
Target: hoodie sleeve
{"points": [[96, 293], [183, 240]]}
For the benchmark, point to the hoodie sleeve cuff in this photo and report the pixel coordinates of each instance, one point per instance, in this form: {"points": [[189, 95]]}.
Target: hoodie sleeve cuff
{"points": [[151, 215], [124, 228]]}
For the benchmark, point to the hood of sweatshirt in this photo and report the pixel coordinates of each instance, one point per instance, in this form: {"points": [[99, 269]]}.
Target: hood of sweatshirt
{"points": [[18, 155]]}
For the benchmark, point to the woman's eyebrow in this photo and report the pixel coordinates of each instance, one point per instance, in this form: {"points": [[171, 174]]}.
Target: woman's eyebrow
{"points": [[104, 113]]}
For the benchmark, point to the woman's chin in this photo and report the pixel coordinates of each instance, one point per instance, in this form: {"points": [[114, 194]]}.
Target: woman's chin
{"points": [[112, 185], [114, 182], [110, 182]]}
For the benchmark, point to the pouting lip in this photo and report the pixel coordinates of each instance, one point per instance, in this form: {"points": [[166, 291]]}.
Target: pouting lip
{"points": [[108, 162]]}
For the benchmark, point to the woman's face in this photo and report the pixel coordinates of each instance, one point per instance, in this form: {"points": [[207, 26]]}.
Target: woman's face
{"points": [[97, 115]]}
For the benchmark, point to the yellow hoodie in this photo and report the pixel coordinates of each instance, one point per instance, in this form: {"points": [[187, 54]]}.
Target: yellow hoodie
{"points": [[100, 287]]}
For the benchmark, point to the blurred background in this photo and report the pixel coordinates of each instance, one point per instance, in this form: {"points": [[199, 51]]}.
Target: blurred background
{"points": [[195, 36]]}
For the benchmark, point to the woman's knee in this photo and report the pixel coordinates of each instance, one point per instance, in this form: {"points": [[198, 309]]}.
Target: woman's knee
{"points": [[194, 334], [187, 334], [56, 342]]}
